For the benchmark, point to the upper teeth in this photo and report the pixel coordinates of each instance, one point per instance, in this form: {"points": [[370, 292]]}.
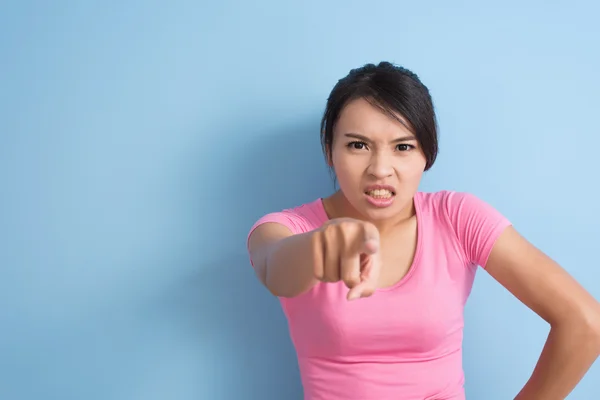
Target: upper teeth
{"points": [[380, 193]]}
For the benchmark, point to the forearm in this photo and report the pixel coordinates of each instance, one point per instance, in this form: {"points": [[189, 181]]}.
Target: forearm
{"points": [[289, 266], [567, 355]]}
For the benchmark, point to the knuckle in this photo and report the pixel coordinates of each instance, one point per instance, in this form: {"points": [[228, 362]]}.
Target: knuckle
{"points": [[349, 225], [345, 236], [349, 232], [367, 227]]}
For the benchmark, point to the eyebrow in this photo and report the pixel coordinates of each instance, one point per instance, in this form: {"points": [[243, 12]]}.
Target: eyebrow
{"points": [[366, 139]]}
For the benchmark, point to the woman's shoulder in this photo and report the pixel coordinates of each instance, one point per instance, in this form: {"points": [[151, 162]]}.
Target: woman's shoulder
{"points": [[450, 200], [299, 219], [443, 200], [475, 222], [457, 208]]}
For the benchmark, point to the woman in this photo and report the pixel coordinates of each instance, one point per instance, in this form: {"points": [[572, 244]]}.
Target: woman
{"points": [[374, 279]]}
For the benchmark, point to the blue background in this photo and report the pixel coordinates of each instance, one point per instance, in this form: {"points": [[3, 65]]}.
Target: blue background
{"points": [[141, 139]]}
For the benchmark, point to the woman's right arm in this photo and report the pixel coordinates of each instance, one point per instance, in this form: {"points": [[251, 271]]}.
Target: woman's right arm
{"points": [[283, 261]]}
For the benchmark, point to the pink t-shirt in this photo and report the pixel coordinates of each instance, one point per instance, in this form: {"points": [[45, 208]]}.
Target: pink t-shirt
{"points": [[404, 342]]}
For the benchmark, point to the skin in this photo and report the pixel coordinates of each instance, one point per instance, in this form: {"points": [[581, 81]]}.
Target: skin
{"points": [[369, 248], [370, 147]]}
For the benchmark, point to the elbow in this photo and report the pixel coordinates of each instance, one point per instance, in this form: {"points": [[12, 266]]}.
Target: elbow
{"points": [[583, 328], [281, 294], [282, 283], [587, 329], [594, 327], [595, 342], [265, 279], [285, 288], [274, 289], [593, 324], [279, 289]]}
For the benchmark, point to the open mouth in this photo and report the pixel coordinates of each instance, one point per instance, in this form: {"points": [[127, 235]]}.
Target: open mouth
{"points": [[380, 193], [380, 196]]}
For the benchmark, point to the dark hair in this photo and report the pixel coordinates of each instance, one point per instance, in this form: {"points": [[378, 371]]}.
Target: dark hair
{"points": [[393, 89]]}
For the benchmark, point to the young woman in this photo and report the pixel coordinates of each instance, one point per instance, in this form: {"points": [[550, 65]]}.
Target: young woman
{"points": [[374, 279]]}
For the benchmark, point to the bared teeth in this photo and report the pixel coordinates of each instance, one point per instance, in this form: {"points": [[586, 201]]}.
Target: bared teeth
{"points": [[380, 193]]}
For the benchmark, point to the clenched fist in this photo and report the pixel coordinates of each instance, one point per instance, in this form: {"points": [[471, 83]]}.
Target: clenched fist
{"points": [[348, 250]]}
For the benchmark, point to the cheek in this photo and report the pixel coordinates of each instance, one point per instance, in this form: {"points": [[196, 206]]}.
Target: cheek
{"points": [[348, 170], [413, 166]]}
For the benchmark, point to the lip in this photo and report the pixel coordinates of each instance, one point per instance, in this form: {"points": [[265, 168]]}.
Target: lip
{"points": [[380, 187]]}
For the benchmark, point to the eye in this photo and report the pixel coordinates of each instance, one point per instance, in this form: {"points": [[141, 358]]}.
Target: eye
{"points": [[405, 147], [357, 145]]}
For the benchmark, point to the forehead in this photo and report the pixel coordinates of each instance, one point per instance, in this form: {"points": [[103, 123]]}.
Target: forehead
{"points": [[360, 116]]}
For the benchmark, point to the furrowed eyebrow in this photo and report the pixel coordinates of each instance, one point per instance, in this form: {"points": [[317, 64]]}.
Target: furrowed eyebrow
{"points": [[366, 139]]}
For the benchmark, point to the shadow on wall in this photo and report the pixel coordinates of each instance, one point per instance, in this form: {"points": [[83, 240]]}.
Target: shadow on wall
{"points": [[240, 328]]}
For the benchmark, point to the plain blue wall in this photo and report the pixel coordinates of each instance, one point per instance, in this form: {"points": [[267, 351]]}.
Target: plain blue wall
{"points": [[140, 140]]}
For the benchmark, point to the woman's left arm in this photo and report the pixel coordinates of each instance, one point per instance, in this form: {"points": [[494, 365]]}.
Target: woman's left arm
{"points": [[573, 314]]}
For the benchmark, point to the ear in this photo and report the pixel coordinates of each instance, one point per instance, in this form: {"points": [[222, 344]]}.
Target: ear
{"points": [[328, 155]]}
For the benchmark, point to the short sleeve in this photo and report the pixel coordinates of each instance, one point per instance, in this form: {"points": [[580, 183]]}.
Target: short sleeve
{"points": [[290, 219], [477, 225]]}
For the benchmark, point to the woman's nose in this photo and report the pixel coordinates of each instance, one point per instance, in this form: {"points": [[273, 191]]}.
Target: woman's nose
{"points": [[381, 166]]}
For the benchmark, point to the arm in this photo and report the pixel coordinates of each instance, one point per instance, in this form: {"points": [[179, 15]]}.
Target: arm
{"points": [[282, 260], [574, 315], [488, 239]]}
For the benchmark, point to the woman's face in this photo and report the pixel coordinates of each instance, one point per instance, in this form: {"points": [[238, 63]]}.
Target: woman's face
{"points": [[377, 161]]}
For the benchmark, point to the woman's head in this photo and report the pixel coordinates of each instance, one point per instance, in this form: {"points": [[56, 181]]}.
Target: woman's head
{"points": [[379, 128]]}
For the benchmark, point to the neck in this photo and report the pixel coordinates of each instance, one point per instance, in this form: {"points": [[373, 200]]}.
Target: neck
{"points": [[337, 206]]}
